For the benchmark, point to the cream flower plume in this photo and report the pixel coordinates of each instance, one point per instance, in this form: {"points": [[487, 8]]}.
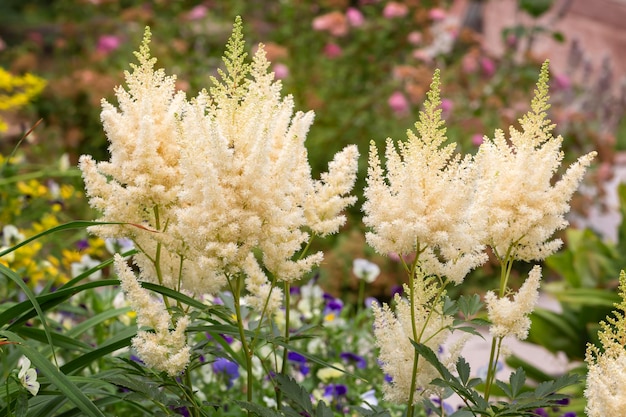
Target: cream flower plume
{"points": [[510, 317], [522, 206], [425, 200], [247, 183]]}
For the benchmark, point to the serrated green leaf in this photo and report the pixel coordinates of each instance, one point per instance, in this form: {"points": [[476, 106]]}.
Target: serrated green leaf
{"points": [[469, 305], [450, 307], [517, 380], [294, 392], [463, 369], [470, 330], [505, 388], [322, 410]]}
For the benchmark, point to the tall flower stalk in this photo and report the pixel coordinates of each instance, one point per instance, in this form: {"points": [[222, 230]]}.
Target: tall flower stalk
{"points": [[520, 225], [410, 209], [222, 191], [447, 209]]}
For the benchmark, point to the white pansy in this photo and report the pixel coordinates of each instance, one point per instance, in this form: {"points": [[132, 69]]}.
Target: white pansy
{"points": [[28, 376], [365, 270]]}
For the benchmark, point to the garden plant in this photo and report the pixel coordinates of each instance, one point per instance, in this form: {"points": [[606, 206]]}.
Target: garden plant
{"points": [[208, 303]]}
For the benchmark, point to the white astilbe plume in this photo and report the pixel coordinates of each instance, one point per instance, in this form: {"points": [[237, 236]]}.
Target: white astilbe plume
{"points": [[160, 349], [425, 201], [393, 332], [522, 206], [141, 181], [606, 377], [246, 180], [510, 317]]}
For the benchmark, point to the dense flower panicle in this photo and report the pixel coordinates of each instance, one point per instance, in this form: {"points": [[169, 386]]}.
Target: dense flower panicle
{"points": [[143, 170], [162, 349], [606, 377], [393, 332], [510, 318], [246, 180], [522, 206], [141, 181], [425, 200], [216, 178]]}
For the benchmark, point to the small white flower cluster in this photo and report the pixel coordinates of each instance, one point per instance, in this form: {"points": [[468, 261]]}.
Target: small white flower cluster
{"points": [[394, 331], [510, 318], [161, 349]]}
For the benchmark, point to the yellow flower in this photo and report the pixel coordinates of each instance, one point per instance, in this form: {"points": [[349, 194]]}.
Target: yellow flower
{"points": [[328, 373]]}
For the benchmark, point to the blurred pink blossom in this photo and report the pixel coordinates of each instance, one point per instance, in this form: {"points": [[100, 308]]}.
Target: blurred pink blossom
{"points": [[108, 43], [469, 63], [437, 14], [355, 17], [408, 258], [398, 103], [488, 66], [446, 107], [422, 54], [562, 82], [281, 71], [477, 139], [511, 41], [332, 50], [393, 9], [414, 38], [198, 12], [334, 23]]}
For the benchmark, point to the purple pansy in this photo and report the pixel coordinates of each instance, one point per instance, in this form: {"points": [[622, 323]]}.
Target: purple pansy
{"points": [[359, 361]]}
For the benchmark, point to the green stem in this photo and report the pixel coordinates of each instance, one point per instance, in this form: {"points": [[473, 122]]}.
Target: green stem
{"points": [[506, 265], [361, 297], [283, 369], [411, 407], [242, 335]]}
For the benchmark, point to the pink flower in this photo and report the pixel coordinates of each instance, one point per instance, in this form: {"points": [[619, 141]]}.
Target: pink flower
{"points": [[422, 54], [437, 14], [355, 17], [487, 66], [469, 63], [446, 107], [562, 82], [398, 103], [477, 139], [108, 43], [511, 41], [281, 71], [334, 23], [332, 50], [197, 12], [414, 38], [393, 9]]}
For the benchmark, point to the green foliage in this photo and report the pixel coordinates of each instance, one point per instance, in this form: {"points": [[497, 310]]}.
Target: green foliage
{"points": [[535, 8], [522, 400]]}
